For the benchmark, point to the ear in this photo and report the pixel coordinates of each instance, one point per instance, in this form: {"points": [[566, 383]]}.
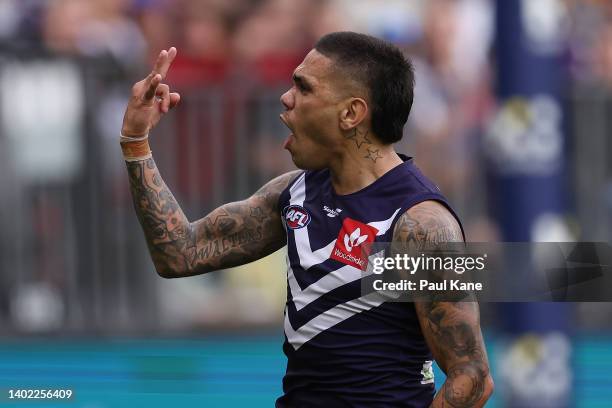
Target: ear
{"points": [[353, 113]]}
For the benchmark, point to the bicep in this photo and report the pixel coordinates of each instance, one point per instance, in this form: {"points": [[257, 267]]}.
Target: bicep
{"points": [[243, 231]]}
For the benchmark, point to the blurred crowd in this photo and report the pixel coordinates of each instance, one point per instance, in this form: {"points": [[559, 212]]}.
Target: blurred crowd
{"points": [[241, 47], [215, 38], [261, 41]]}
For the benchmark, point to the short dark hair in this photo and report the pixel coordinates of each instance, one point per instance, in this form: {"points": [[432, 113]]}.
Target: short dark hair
{"points": [[385, 72]]}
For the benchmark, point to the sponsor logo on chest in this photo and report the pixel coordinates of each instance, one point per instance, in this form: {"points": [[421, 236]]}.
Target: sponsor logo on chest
{"points": [[349, 248]]}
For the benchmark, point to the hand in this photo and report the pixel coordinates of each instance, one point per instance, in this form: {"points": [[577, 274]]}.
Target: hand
{"points": [[150, 98]]}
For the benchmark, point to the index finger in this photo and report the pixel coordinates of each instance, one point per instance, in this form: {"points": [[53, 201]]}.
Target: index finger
{"points": [[163, 62]]}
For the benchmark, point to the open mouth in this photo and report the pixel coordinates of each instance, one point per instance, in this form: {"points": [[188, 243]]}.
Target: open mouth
{"points": [[284, 120], [289, 140]]}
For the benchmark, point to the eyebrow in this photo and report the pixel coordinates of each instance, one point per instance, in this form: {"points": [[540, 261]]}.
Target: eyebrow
{"points": [[301, 82]]}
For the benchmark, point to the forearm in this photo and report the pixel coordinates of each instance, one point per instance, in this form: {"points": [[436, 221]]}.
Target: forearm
{"points": [[452, 330], [169, 234], [231, 235]]}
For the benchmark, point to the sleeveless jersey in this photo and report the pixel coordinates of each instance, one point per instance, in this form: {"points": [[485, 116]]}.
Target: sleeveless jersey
{"points": [[345, 349]]}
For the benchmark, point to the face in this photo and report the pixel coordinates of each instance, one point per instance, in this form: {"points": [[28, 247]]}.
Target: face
{"points": [[312, 113]]}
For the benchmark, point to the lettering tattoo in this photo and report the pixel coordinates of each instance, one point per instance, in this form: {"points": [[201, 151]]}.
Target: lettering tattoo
{"points": [[451, 329], [233, 234]]}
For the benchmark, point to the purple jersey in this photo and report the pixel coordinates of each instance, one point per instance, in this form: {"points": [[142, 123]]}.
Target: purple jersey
{"points": [[345, 349]]}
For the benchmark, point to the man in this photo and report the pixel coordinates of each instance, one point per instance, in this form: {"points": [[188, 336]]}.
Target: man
{"points": [[350, 99]]}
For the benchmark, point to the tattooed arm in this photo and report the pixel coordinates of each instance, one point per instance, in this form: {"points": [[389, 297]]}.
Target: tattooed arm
{"points": [[451, 329], [232, 235]]}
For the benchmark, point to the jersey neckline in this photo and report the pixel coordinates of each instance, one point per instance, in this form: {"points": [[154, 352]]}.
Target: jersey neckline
{"points": [[378, 182]]}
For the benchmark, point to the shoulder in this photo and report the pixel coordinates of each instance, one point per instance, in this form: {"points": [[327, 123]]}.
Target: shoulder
{"points": [[283, 181], [271, 191], [428, 222]]}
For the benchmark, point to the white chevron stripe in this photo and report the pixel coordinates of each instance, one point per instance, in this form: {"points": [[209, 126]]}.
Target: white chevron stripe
{"points": [[298, 189], [329, 318], [306, 255], [383, 226], [341, 276]]}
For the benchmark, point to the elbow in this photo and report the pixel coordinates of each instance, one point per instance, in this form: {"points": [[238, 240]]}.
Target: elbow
{"points": [[166, 272], [169, 271], [489, 387], [169, 265]]}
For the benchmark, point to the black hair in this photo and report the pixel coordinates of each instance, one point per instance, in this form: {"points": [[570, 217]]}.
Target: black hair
{"points": [[385, 72]]}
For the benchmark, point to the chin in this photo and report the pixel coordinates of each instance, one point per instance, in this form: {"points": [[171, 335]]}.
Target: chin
{"points": [[306, 164], [311, 159]]}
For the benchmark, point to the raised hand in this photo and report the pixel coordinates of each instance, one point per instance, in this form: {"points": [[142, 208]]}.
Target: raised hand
{"points": [[150, 98]]}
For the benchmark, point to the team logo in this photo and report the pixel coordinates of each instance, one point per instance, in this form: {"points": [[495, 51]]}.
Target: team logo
{"points": [[296, 217], [349, 245]]}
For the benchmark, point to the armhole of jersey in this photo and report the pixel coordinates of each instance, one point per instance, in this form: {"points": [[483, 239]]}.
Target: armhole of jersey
{"points": [[283, 198], [427, 197]]}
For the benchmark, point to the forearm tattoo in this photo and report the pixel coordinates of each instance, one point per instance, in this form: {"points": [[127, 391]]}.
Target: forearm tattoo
{"points": [[231, 235], [451, 329]]}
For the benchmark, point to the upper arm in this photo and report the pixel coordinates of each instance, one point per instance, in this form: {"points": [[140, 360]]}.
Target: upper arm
{"points": [[425, 224], [451, 329], [240, 232]]}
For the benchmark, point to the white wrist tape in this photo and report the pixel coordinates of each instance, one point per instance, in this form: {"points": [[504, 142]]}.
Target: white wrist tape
{"points": [[135, 148], [132, 138]]}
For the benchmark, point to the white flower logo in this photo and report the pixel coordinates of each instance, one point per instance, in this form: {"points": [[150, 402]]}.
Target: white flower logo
{"points": [[354, 240]]}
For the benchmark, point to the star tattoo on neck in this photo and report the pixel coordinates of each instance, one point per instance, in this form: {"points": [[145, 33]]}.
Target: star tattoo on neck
{"points": [[360, 138], [373, 154]]}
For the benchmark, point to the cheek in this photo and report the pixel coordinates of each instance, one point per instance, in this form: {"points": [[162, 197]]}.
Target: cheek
{"points": [[321, 127]]}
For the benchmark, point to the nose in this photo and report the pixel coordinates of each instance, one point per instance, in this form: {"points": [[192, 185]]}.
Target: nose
{"points": [[287, 99]]}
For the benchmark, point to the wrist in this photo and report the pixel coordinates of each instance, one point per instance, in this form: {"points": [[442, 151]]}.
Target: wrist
{"points": [[135, 148], [126, 132]]}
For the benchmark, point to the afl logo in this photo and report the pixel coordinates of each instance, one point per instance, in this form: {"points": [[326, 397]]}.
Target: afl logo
{"points": [[296, 217]]}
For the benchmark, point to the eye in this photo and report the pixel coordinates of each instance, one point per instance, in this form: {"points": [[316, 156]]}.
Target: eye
{"points": [[303, 89]]}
